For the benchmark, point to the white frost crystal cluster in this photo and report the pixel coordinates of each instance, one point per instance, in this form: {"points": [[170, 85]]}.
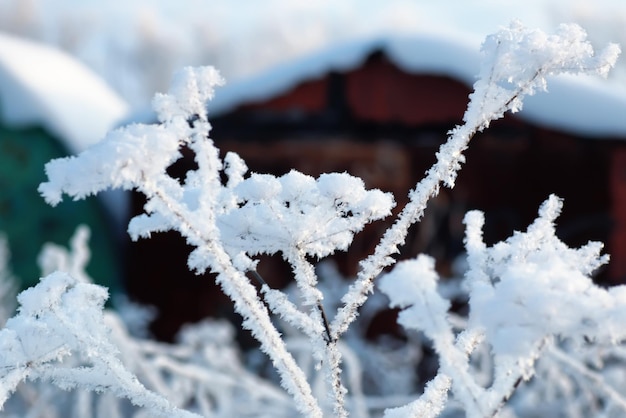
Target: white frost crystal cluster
{"points": [[527, 295]]}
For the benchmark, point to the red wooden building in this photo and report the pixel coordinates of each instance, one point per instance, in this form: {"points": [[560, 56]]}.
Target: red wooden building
{"points": [[379, 109]]}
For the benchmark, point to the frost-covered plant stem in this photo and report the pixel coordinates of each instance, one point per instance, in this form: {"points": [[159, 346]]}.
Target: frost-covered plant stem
{"points": [[449, 160], [510, 285], [429, 405], [246, 302], [299, 216], [498, 89], [325, 350], [62, 318], [236, 286], [598, 383]]}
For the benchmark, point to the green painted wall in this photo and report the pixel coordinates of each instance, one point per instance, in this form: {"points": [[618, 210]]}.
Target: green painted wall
{"points": [[29, 222]]}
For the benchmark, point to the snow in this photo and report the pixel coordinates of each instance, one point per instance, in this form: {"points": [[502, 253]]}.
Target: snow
{"points": [[583, 105], [43, 86], [336, 203], [533, 274], [580, 105], [524, 293], [425, 54], [149, 40]]}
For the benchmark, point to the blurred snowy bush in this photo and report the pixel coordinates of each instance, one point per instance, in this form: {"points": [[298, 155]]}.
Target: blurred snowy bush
{"points": [[534, 311]]}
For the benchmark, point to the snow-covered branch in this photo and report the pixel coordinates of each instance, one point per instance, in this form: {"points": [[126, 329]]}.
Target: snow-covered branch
{"points": [[230, 217], [63, 317], [516, 62], [510, 285]]}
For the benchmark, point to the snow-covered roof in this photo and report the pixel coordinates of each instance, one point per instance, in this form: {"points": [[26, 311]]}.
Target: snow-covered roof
{"points": [[581, 105], [43, 86], [46, 87]]}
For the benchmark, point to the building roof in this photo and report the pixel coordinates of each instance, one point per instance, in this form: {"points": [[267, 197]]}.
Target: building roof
{"points": [[45, 87], [575, 104], [42, 86]]}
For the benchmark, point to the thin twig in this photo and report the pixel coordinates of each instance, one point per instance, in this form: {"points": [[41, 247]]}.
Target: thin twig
{"points": [[320, 307]]}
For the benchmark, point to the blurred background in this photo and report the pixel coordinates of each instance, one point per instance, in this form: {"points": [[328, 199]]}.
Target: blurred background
{"points": [[136, 46], [367, 87]]}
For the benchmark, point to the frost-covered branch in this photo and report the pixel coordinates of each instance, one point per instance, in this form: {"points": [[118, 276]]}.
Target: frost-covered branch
{"points": [[226, 224], [429, 405], [530, 275], [62, 317], [597, 382], [74, 261], [201, 370], [230, 217], [516, 62]]}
